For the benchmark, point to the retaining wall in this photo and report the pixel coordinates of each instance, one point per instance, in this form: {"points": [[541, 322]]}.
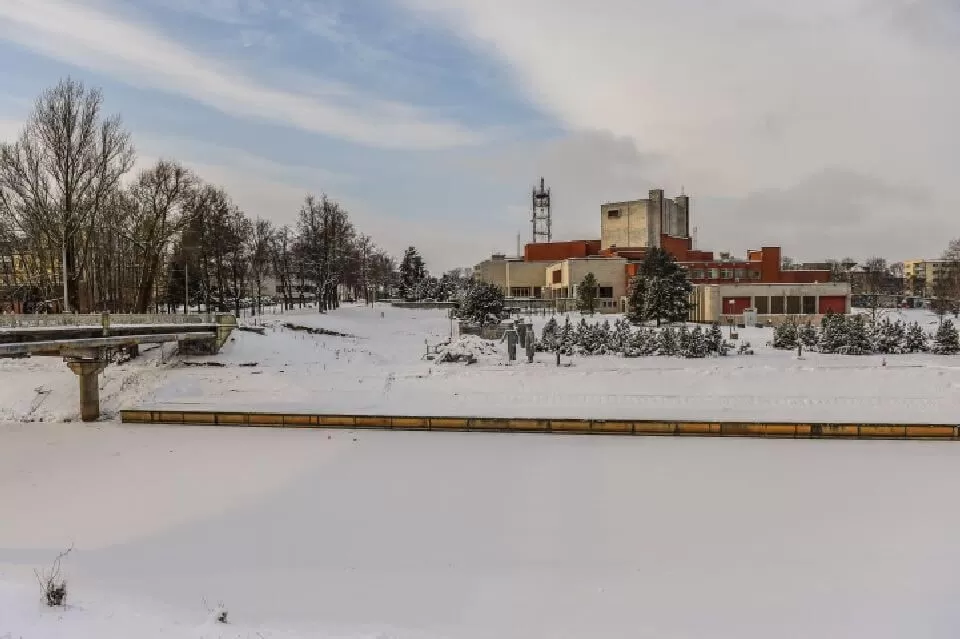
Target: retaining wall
{"points": [[787, 430]]}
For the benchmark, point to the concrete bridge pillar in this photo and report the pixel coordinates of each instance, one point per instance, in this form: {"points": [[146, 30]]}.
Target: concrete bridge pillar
{"points": [[88, 370]]}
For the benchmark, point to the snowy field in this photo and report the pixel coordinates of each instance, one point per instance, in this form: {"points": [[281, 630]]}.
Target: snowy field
{"points": [[380, 369], [450, 535]]}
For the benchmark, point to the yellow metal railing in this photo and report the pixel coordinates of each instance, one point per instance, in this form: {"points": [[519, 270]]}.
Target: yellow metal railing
{"points": [[559, 426]]}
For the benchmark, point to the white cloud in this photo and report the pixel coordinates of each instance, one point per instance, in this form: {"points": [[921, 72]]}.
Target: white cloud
{"points": [[748, 95], [97, 39]]}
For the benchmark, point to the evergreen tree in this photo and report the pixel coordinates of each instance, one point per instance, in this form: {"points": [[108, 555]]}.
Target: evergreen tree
{"points": [[582, 336], [482, 304], [946, 340], [412, 273], [567, 337], [604, 336], [593, 338], [807, 335], [858, 337], [620, 336], [667, 342], [683, 340], [715, 342], [696, 346], [833, 333], [915, 340], [550, 337], [587, 294], [888, 337], [642, 343], [660, 291], [785, 336]]}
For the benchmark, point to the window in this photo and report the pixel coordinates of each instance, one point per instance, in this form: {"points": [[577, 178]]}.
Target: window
{"points": [[696, 274], [538, 291], [793, 305], [776, 304], [762, 304], [605, 292], [740, 273], [754, 275], [809, 305], [557, 276], [520, 291], [714, 274], [726, 274], [613, 213]]}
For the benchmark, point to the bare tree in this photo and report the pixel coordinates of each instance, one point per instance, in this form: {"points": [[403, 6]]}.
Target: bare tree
{"points": [[57, 176], [261, 243], [281, 257], [949, 271], [161, 195]]}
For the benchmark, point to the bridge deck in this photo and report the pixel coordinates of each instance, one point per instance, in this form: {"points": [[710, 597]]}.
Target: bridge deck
{"points": [[60, 346]]}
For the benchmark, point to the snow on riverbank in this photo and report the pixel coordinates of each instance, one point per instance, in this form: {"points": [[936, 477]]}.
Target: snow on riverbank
{"points": [[378, 366], [383, 371]]}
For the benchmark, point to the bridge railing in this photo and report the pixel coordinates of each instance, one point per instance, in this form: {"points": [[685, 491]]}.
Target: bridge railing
{"points": [[95, 319]]}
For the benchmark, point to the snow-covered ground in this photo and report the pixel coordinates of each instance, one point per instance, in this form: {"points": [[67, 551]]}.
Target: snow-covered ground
{"points": [[470, 535], [382, 371], [447, 535], [379, 368]]}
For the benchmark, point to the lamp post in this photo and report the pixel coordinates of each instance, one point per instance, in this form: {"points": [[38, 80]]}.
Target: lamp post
{"points": [[731, 303]]}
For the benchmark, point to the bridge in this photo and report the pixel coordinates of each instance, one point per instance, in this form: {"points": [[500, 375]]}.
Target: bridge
{"points": [[86, 346]]}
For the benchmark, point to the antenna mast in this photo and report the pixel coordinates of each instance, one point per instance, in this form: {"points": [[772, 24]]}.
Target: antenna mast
{"points": [[542, 224]]}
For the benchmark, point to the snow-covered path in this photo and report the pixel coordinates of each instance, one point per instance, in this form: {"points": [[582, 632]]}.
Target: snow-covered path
{"points": [[380, 534]]}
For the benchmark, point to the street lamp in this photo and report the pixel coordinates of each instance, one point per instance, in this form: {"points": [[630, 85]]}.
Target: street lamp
{"points": [[731, 303]]}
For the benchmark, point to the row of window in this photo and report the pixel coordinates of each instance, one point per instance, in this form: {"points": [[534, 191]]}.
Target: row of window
{"points": [[723, 274], [789, 305], [603, 292]]}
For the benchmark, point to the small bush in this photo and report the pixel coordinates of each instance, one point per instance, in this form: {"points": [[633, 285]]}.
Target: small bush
{"points": [[52, 583]]}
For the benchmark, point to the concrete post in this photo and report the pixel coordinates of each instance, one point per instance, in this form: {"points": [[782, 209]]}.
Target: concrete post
{"points": [[530, 344], [521, 334], [105, 323], [88, 370], [511, 336]]}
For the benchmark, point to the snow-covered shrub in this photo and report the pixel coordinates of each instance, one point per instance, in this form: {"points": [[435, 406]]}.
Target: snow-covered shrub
{"points": [[857, 337], [550, 337], [946, 340], [467, 350], [833, 333], [807, 336], [667, 342], [52, 583], [785, 336], [915, 339], [745, 349], [695, 343], [888, 337], [567, 342], [715, 342], [619, 336], [482, 303], [642, 343]]}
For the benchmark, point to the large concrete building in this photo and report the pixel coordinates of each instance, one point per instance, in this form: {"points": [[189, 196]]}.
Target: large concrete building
{"points": [[643, 223], [550, 272]]}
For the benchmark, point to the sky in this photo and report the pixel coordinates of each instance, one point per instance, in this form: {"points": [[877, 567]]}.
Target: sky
{"points": [[824, 126]]}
